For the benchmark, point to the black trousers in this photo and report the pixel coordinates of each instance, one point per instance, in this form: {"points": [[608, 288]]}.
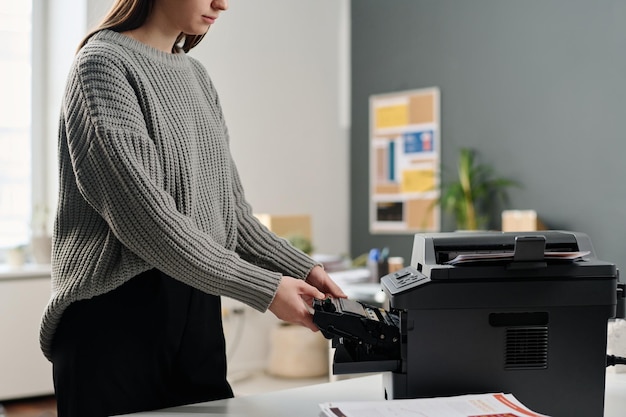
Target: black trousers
{"points": [[152, 343]]}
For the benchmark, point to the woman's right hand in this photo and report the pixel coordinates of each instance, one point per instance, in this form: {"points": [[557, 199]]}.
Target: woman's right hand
{"points": [[289, 302]]}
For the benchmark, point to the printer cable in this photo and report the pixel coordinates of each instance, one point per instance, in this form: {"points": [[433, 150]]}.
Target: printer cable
{"points": [[612, 360]]}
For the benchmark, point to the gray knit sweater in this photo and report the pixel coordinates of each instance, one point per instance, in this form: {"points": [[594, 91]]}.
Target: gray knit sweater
{"points": [[147, 181]]}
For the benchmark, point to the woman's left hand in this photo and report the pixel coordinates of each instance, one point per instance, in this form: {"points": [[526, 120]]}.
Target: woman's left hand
{"points": [[319, 279]]}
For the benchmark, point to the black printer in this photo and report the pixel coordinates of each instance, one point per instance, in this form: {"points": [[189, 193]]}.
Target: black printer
{"points": [[476, 312]]}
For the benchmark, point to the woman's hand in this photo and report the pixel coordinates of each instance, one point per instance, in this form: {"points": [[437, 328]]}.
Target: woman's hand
{"points": [[294, 297], [319, 279], [289, 302]]}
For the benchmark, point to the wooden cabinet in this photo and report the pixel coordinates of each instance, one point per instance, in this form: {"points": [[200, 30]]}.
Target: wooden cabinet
{"points": [[24, 371]]}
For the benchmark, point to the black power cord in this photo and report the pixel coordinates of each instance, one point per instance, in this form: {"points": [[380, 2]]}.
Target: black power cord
{"points": [[612, 360]]}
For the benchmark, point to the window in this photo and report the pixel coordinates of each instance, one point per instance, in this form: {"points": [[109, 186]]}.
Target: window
{"points": [[15, 122]]}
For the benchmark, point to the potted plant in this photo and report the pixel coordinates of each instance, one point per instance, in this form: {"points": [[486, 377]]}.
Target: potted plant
{"points": [[476, 194]]}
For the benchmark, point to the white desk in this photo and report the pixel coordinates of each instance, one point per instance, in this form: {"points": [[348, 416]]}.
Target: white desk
{"points": [[615, 395], [304, 402]]}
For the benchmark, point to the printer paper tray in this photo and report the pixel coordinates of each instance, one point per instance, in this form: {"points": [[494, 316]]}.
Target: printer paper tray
{"points": [[367, 366], [344, 363]]}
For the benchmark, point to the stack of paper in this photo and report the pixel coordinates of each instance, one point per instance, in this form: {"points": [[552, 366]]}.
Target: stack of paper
{"points": [[478, 405], [509, 256]]}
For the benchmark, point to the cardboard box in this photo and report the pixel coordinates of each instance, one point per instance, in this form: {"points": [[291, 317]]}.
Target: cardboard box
{"points": [[521, 221], [287, 225]]}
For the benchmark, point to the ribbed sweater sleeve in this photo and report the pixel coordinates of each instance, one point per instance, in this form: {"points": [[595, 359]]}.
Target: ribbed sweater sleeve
{"points": [[147, 181]]}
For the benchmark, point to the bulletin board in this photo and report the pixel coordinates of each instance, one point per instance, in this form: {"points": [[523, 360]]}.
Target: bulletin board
{"points": [[405, 152]]}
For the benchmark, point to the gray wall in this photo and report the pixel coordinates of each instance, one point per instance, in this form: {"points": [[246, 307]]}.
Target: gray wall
{"points": [[537, 87]]}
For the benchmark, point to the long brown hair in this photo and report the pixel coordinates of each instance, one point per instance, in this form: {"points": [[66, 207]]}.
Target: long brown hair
{"points": [[130, 14]]}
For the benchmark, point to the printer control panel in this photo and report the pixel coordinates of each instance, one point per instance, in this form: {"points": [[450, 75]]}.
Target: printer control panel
{"points": [[405, 278]]}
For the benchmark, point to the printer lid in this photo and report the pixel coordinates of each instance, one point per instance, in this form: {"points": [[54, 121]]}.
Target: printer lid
{"points": [[452, 254]]}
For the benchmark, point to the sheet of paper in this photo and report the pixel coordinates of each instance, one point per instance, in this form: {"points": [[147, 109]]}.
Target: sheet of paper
{"points": [[504, 256], [475, 405]]}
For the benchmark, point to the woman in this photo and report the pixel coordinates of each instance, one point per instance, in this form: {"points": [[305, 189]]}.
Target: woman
{"points": [[152, 225]]}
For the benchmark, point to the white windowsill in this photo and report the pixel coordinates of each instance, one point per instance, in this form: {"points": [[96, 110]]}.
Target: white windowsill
{"points": [[25, 271]]}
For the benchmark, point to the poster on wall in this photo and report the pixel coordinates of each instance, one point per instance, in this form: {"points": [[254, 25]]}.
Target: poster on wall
{"points": [[404, 161]]}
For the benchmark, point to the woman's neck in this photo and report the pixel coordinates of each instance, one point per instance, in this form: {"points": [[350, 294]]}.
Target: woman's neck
{"points": [[154, 35]]}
